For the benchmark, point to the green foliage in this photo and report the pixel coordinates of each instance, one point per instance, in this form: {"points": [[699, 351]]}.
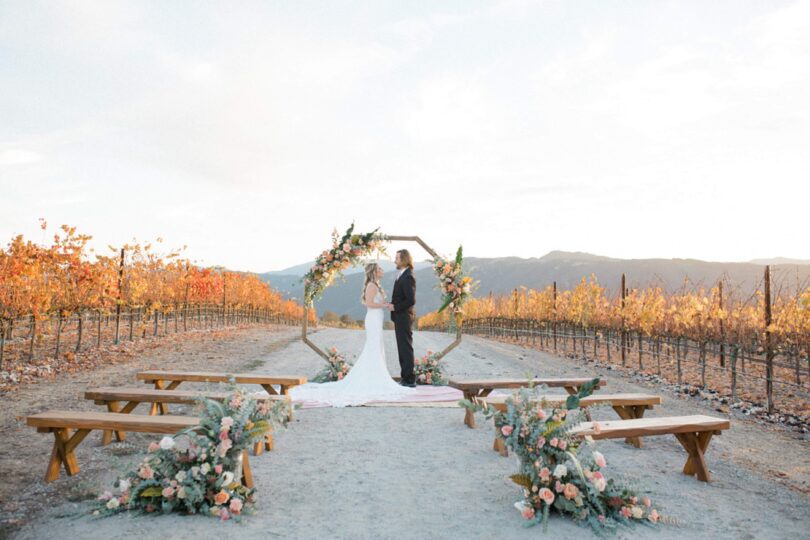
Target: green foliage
{"points": [[552, 473], [196, 470]]}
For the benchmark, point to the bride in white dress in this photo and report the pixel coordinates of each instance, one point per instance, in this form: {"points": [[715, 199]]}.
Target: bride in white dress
{"points": [[368, 380]]}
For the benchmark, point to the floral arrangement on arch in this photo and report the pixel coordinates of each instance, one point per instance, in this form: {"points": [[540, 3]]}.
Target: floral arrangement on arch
{"points": [[347, 250], [455, 286], [554, 473], [335, 369], [428, 371], [199, 470]]}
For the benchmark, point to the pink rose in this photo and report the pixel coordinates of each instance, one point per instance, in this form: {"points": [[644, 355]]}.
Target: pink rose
{"points": [[599, 481], [625, 512], [218, 469], [546, 495], [545, 474], [646, 501], [653, 516], [146, 472], [541, 414], [153, 447], [541, 442], [506, 430], [168, 492], [562, 445], [224, 515], [528, 512], [599, 459], [553, 442], [558, 487], [236, 506]]}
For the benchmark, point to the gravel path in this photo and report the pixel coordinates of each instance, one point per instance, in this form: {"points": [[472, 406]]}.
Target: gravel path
{"points": [[393, 472]]}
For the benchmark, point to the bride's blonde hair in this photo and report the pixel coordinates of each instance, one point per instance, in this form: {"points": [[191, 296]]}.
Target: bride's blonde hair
{"points": [[371, 277]]}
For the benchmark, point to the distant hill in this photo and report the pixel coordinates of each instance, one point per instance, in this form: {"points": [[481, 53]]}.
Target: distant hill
{"points": [[503, 274], [780, 260]]}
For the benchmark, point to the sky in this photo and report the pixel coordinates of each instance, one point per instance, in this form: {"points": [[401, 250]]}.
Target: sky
{"points": [[248, 131]]}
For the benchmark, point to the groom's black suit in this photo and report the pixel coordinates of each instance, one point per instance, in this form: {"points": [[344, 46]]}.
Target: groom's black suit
{"points": [[404, 298]]}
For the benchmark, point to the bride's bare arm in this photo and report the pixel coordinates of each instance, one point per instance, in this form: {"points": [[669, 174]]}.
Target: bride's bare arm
{"points": [[371, 292]]}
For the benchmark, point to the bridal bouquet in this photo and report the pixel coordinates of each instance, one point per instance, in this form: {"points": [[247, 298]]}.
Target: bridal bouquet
{"points": [[335, 369], [455, 286], [198, 470], [346, 251], [556, 473], [428, 371]]}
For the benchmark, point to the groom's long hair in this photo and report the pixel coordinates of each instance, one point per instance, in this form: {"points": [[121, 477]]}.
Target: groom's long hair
{"points": [[405, 257], [371, 277]]}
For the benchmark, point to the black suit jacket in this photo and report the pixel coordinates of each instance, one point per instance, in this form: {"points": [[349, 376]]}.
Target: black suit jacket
{"points": [[404, 296]]}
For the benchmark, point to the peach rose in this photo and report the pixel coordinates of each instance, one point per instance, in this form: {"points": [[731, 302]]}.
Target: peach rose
{"points": [[570, 491], [221, 497], [506, 430], [546, 495], [528, 512]]}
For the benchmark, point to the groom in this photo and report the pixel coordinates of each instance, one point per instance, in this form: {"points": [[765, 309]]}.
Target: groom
{"points": [[402, 303]]}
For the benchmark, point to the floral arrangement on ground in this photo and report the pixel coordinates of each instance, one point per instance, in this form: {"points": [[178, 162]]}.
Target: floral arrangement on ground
{"points": [[336, 368], [428, 370], [455, 286], [347, 250], [199, 470], [554, 472]]}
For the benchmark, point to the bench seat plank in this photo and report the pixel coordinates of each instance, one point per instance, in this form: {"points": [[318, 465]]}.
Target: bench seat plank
{"points": [[135, 396], [472, 388]]}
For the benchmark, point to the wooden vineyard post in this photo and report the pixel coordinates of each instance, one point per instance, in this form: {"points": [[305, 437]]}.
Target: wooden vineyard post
{"points": [[722, 328], [624, 332], [118, 300], [768, 350], [554, 314]]}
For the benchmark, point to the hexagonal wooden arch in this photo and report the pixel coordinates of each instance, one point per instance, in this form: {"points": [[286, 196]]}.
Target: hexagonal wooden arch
{"points": [[427, 248]]}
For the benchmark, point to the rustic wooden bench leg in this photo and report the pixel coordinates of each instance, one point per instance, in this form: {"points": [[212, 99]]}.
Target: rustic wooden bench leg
{"points": [[114, 407], [499, 446], [695, 445], [258, 448], [247, 474], [161, 385], [62, 454], [285, 391], [630, 412], [469, 417]]}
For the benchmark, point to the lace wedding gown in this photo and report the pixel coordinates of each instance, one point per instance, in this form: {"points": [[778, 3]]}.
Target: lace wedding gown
{"points": [[368, 380]]}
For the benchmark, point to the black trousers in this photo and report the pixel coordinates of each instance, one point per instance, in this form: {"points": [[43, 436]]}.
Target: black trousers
{"points": [[403, 325]]}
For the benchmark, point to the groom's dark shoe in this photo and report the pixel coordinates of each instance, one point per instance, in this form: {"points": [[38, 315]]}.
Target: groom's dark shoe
{"points": [[410, 385]]}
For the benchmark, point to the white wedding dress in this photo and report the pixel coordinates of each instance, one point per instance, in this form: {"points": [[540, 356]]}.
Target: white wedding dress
{"points": [[368, 380]]}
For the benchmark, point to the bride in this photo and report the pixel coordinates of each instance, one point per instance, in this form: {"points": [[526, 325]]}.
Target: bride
{"points": [[368, 380]]}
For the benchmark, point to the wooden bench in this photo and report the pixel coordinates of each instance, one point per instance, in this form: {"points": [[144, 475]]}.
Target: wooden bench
{"points": [[112, 398], [693, 432], [175, 378], [476, 388], [627, 406], [63, 423]]}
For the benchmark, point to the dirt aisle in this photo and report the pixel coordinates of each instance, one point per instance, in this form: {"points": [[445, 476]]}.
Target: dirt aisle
{"points": [[387, 472]]}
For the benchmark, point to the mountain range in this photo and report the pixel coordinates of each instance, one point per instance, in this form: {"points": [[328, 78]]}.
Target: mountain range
{"points": [[500, 275]]}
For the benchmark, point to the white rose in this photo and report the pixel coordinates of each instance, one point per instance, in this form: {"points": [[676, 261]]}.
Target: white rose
{"points": [[637, 512], [167, 443], [112, 504], [123, 485], [560, 471], [195, 471], [206, 468], [180, 476]]}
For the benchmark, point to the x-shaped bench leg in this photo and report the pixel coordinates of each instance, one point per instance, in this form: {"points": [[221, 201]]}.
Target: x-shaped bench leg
{"points": [[62, 454], [630, 412], [161, 385], [469, 417], [695, 445]]}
